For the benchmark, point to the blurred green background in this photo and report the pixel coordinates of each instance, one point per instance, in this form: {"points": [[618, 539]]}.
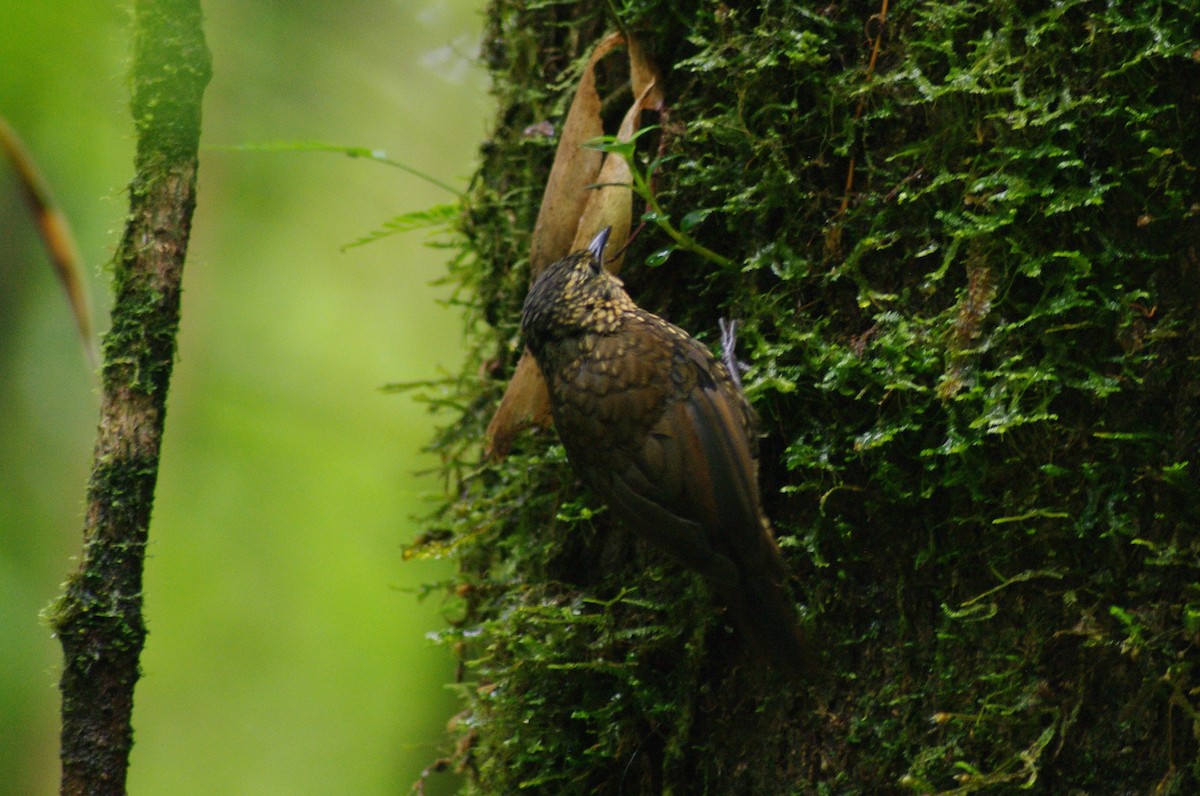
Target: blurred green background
{"points": [[287, 652]]}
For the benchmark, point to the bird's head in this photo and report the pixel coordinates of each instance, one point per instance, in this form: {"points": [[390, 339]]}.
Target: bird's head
{"points": [[574, 296]]}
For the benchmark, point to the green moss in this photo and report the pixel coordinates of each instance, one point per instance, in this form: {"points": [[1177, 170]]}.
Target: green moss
{"points": [[977, 375]]}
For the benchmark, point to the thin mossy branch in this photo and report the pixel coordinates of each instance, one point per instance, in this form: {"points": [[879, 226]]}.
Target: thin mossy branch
{"points": [[99, 618]]}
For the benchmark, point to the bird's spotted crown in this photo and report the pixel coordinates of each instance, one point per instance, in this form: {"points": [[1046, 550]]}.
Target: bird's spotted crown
{"points": [[575, 296]]}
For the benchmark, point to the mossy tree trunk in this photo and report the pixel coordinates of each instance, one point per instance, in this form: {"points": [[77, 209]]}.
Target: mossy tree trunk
{"points": [[99, 617], [965, 247]]}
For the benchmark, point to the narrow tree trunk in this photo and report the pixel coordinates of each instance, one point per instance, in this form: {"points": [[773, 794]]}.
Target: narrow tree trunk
{"points": [[99, 618]]}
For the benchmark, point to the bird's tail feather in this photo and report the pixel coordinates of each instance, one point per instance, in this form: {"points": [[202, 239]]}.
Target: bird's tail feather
{"points": [[762, 611]]}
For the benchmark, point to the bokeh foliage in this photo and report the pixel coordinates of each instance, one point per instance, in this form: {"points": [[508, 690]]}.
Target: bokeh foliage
{"points": [[287, 650], [969, 282]]}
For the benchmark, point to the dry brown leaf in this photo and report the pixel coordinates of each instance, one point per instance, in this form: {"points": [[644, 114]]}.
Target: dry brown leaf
{"points": [[56, 235], [585, 192], [611, 205], [573, 170], [526, 403]]}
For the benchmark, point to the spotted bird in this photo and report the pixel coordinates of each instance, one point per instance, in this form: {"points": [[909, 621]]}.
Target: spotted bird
{"points": [[654, 423]]}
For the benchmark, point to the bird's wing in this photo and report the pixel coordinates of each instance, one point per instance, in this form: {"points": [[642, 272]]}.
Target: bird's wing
{"points": [[653, 422], [656, 426], [692, 488], [696, 462]]}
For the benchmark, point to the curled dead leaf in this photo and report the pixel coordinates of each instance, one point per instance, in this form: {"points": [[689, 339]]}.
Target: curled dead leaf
{"points": [[585, 192], [573, 169], [56, 235], [526, 403]]}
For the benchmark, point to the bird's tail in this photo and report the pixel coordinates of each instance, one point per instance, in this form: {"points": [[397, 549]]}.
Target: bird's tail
{"points": [[761, 609]]}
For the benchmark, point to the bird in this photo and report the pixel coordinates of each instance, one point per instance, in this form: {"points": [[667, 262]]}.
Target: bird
{"points": [[660, 429]]}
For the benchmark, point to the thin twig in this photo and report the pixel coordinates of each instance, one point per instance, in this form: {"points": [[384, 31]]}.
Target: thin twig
{"points": [[834, 239]]}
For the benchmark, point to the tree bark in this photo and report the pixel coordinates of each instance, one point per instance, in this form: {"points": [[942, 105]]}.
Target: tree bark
{"points": [[963, 242], [99, 618]]}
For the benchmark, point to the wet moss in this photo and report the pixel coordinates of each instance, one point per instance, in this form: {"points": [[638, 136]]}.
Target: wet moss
{"points": [[967, 275]]}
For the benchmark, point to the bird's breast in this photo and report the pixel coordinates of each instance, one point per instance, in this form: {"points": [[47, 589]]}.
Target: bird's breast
{"points": [[607, 390]]}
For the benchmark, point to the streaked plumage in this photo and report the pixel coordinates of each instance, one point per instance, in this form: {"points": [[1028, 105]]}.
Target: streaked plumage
{"points": [[654, 423]]}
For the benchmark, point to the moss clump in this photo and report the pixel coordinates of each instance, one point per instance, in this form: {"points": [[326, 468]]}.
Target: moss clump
{"points": [[968, 280]]}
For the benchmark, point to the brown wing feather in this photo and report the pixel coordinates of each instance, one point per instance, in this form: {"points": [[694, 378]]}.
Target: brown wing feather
{"points": [[668, 445]]}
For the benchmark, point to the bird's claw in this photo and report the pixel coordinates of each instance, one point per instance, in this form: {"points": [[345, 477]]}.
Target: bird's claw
{"points": [[729, 350]]}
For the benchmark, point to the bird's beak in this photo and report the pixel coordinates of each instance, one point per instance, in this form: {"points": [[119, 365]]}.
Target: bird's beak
{"points": [[596, 247]]}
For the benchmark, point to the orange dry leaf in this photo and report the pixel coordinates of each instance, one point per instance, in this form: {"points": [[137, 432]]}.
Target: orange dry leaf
{"points": [[526, 403], [56, 235], [574, 167], [611, 205], [585, 192]]}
